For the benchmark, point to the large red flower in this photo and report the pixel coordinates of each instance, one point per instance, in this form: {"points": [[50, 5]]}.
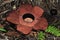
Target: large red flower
{"points": [[27, 18]]}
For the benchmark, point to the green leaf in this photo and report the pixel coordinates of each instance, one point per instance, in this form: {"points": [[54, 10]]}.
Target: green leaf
{"points": [[53, 30], [2, 29], [41, 36]]}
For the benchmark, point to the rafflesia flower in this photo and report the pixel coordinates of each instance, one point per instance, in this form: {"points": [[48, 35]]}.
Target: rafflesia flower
{"points": [[27, 17]]}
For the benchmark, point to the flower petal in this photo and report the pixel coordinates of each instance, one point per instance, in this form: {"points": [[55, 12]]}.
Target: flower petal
{"points": [[24, 29], [41, 25], [13, 17], [37, 11]]}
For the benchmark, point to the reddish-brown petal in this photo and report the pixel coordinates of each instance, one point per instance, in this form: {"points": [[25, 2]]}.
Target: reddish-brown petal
{"points": [[41, 25], [13, 17], [37, 11], [24, 29], [27, 7]]}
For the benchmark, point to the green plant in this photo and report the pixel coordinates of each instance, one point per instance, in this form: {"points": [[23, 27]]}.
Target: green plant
{"points": [[53, 30], [2, 29], [41, 35]]}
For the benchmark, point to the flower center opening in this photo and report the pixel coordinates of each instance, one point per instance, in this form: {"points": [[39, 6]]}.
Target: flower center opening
{"points": [[28, 17]]}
